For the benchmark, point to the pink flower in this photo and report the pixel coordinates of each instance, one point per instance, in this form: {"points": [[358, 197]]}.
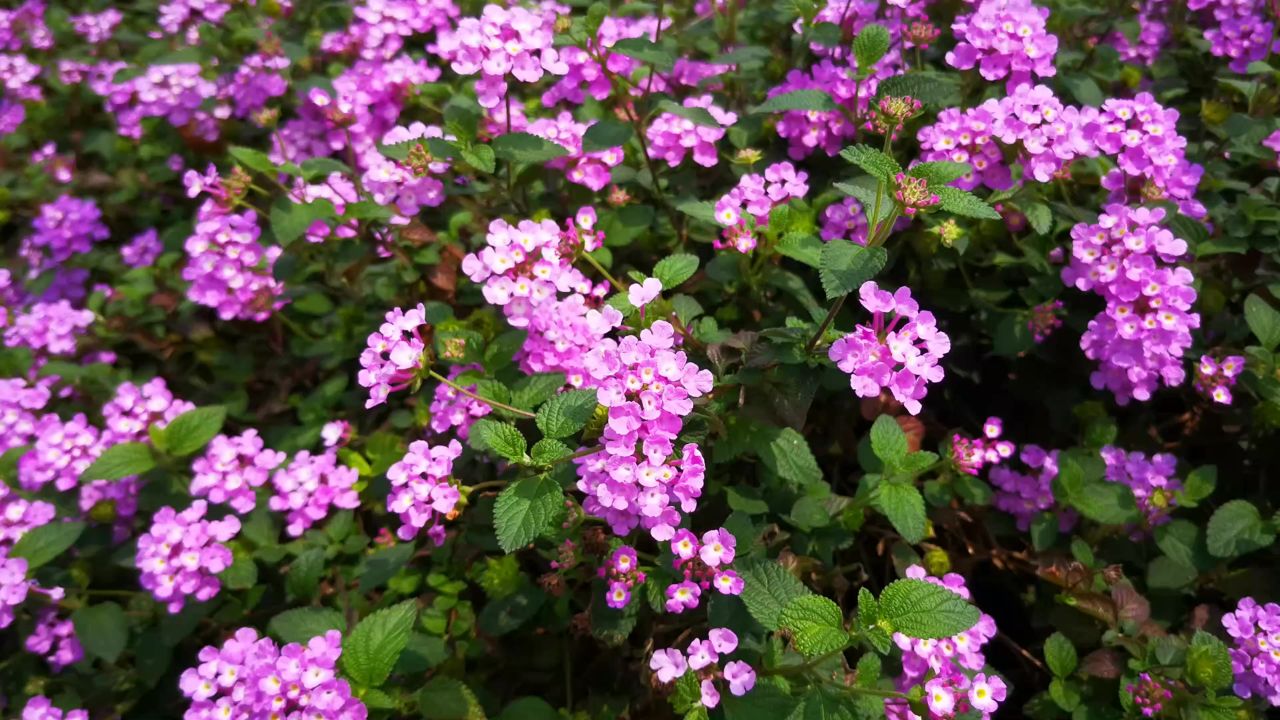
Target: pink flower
{"points": [[717, 547], [642, 294], [986, 693], [740, 676], [668, 664]]}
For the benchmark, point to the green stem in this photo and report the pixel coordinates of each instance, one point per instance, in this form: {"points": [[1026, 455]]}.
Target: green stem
{"points": [[803, 667], [600, 269], [580, 454], [491, 403], [826, 323], [487, 485]]}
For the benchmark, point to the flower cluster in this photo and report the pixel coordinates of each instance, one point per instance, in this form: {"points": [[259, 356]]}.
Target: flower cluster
{"points": [[54, 639], [971, 455], [228, 268], [1044, 320], [703, 565], [940, 665], [672, 137], [1215, 378], [379, 27], [703, 658], [1255, 659], [422, 492], [176, 92], [965, 136], [251, 676], [18, 516], [406, 187], [1151, 163], [14, 586], [647, 387], [829, 130], [1024, 495], [232, 468], [502, 41], [1153, 34], [310, 487], [1049, 133], [142, 250], [585, 77], [746, 207], [844, 220], [42, 708], [1005, 38], [898, 353], [65, 227], [1237, 29], [182, 553], [134, 408], [96, 28], [48, 328], [623, 574], [451, 409], [62, 450], [1152, 480], [913, 194], [1139, 339], [1150, 693], [394, 355], [590, 169]]}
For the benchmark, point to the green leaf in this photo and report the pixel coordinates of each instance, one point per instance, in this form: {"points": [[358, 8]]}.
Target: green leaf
{"points": [[444, 698], [646, 51], [825, 704], [1040, 217], [765, 702], [382, 565], [797, 100], [525, 510], [508, 614], [290, 219], [1060, 655], [121, 461], [191, 430], [816, 625], [45, 543], [103, 630], [868, 609], [873, 161], [965, 204], [940, 172], [1181, 540], [696, 115], [871, 44], [1166, 573], [374, 645], [318, 167], [903, 504], [531, 391], [548, 450], [504, 439], [252, 159], [242, 574], [566, 413], [932, 89], [303, 578], [802, 247], [1263, 320], [844, 266], [675, 269], [888, 441], [605, 135], [301, 624], [1237, 528], [480, 157], [767, 590], [523, 147], [922, 610], [1208, 662], [787, 453], [1107, 502]]}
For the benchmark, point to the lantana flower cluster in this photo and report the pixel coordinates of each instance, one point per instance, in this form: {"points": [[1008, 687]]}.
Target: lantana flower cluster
{"points": [[232, 468], [970, 455], [673, 137], [451, 410], [54, 639], [182, 553], [899, 351], [1239, 30], [1153, 480], [394, 355], [746, 207], [228, 267], [648, 387], [622, 573], [310, 487], [1216, 376], [42, 708], [1255, 658], [1005, 38], [703, 565], [702, 657], [422, 492], [66, 227], [251, 676], [1025, 494], [501, 42]]}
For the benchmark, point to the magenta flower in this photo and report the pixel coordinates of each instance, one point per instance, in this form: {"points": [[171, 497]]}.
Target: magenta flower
{"points": [[422, 492], [232, 468], [641, 294], [182, 553], [668, 664], [310, 488], [395, 354]]}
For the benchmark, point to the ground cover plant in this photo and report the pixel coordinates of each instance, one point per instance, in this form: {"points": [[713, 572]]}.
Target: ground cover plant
{"points": [[716, 359]]}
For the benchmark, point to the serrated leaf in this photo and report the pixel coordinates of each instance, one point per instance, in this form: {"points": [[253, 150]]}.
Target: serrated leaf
{"points": [[566, 413], [647, 51], [290, 219], [318, 167], [605, 135], [193, 429], [503, 439], [304, 574], [903, 504], [121, 461], [802, 247], [301, 624], [787, 453], [252, 159], [480, 157], [696, 115], [523, 147], [844, 266], [531, 391], [1237, 528], [39, 545], [888, 441], [1208, 662], [873, 161], [806, 100], [698, 209], [940, 172], [525, 510], [675, 269], [373, 646], [1040, 217], [549, 450], [1060, 655], [871, 44], [922, 610], [816, 625], [444, 698], [767, 590], [102, 629], [1263, 320], [964, 203]]}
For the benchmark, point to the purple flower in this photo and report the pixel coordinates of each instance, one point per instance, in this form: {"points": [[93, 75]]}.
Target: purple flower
{"points": [[709, 695], [55, 639], [228, 268], [746, 207], [717, 547], [672, 137], [501, 42], [641, 294], [844, 220], [394, 355], [142, 250], [182, 553], [453, 411], [135, 408], [310, 488], [668, 664], [1151, 479], [232, 468], [740, 676], [422, 492], [1215, 378], [1005, 38], [682, 596], [42, 708], [49, 328]]}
